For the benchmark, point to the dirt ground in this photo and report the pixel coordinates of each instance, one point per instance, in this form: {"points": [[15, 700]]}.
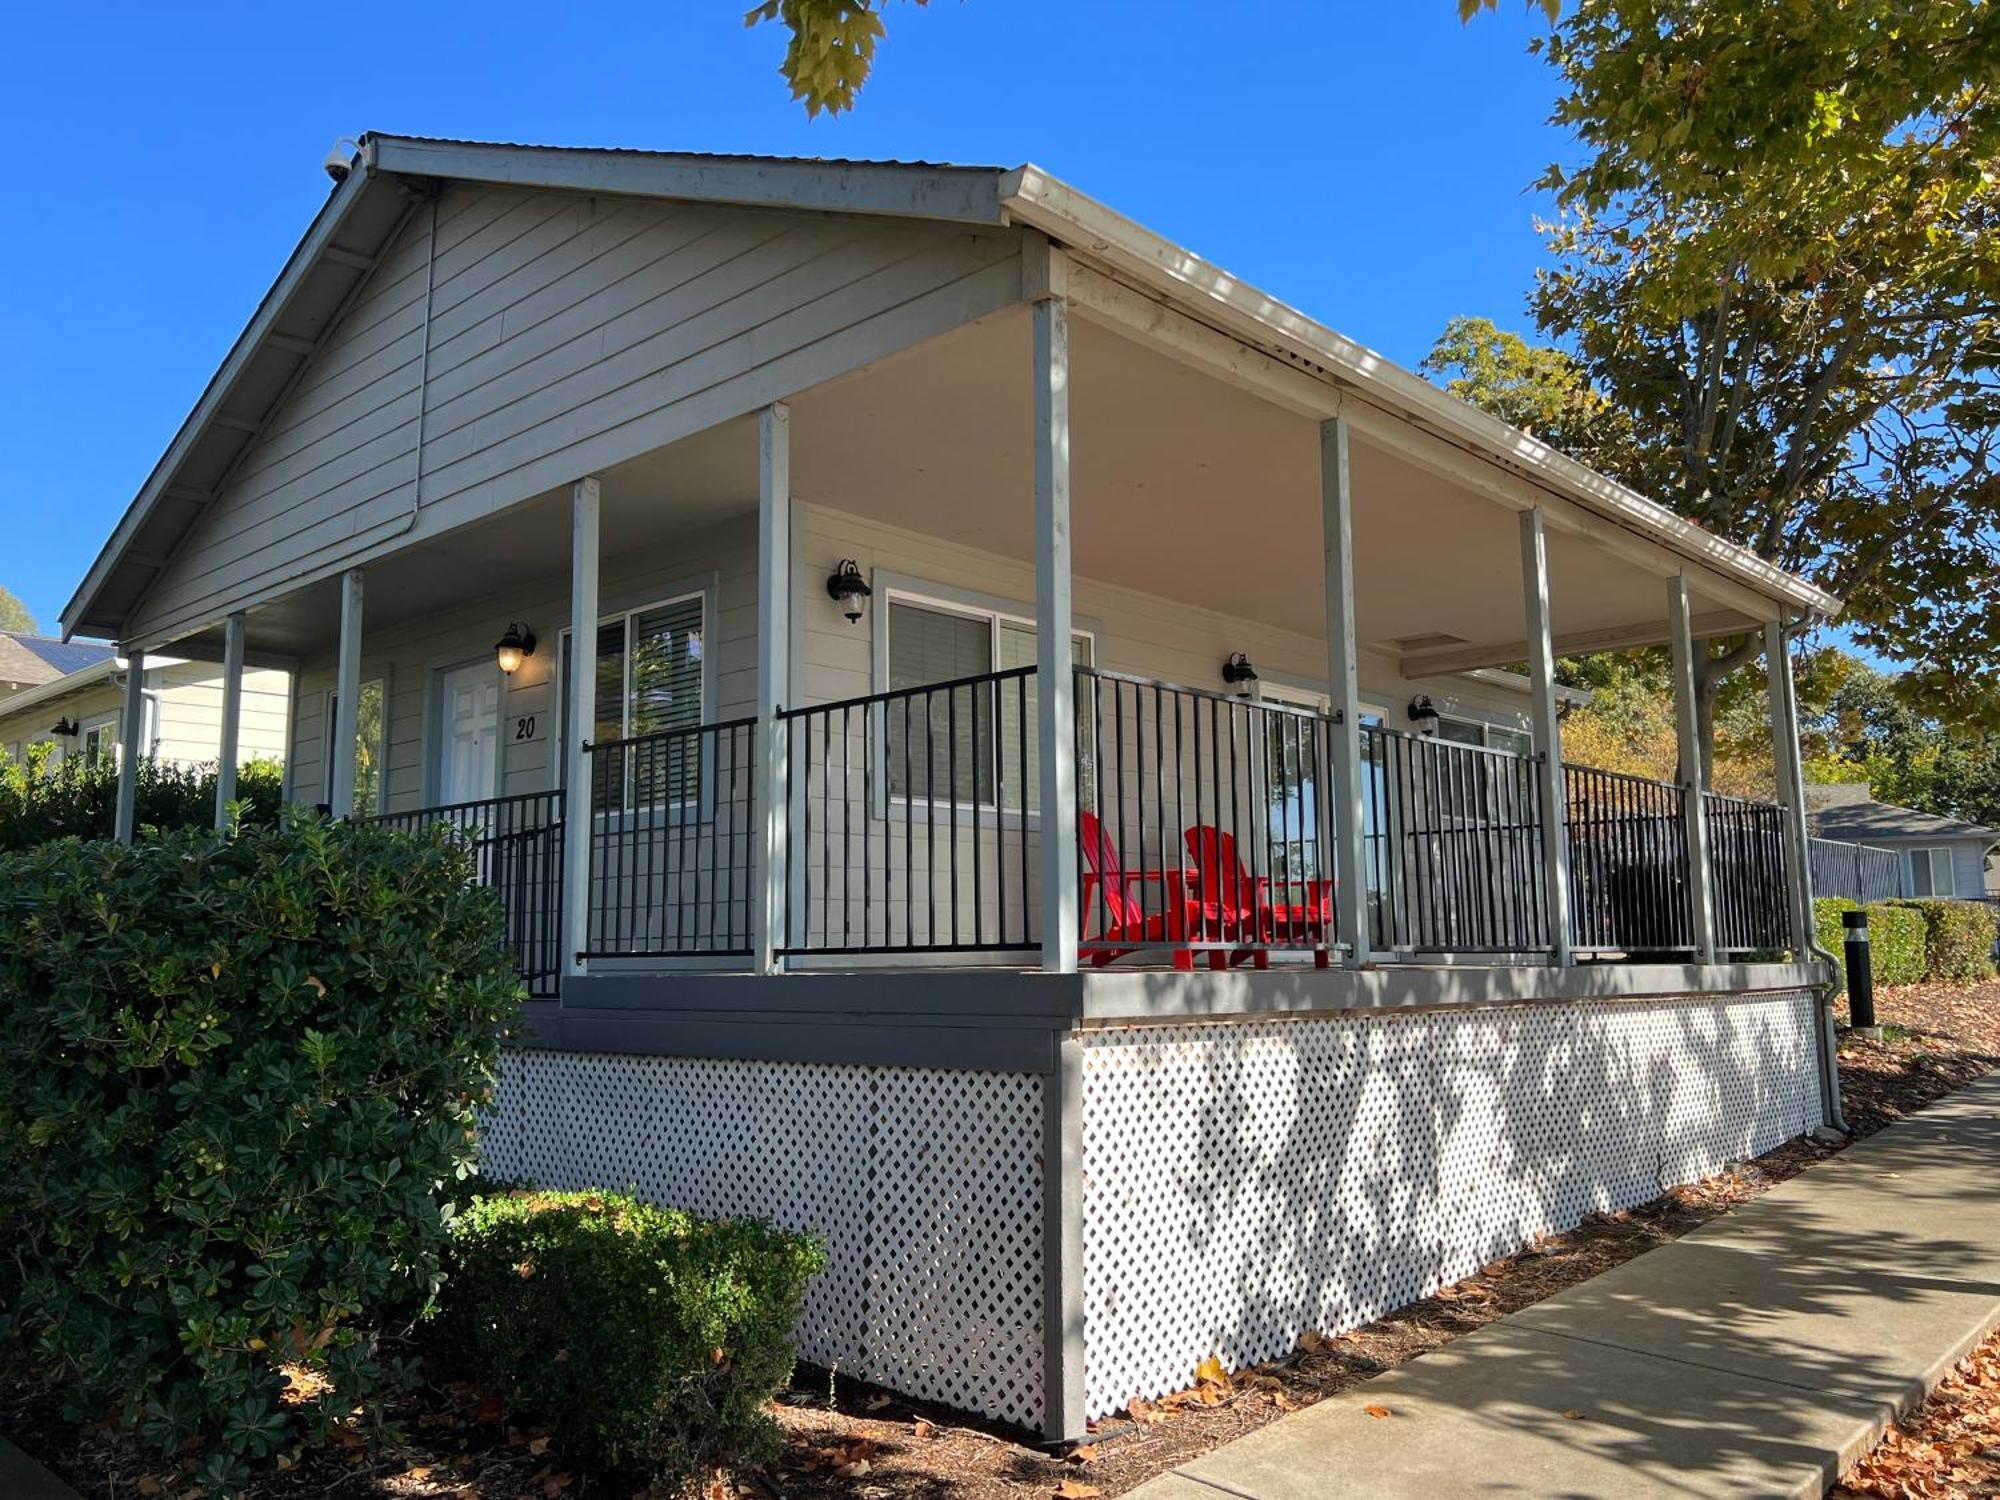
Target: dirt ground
{"points": [[854, 1442]]}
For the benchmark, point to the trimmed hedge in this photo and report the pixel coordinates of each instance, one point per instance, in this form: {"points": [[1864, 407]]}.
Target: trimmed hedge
{"points": [[648, 1339], [40, 802], [236, 1075], [1901, 942], [1958, 938]]}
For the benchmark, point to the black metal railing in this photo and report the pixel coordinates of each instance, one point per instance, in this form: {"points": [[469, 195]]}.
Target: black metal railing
{"points": [[1452, 840], [1200, 822], [1628, 864], [1747, 873], [909, 828], [672, 843], [517, 843]]}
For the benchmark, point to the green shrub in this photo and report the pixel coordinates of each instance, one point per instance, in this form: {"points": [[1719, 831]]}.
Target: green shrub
{"points": [[235, 1074], [1958, 939], [650, 1340], [1895, 939], [40, 801], [1896, 944], [1832, 936]]}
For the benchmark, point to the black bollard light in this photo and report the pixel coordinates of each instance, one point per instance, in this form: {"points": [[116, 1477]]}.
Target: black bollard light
{"points": [[1860, 971]]}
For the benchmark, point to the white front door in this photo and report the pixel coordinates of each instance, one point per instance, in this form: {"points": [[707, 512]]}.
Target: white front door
{"points": [[469, 749]]}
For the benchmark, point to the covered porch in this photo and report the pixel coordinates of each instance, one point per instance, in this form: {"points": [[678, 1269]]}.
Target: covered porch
{"points": [[1156, 652]]}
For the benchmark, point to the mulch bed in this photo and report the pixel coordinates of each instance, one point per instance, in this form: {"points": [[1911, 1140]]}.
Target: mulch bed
{"points": [[1951, 1446], [855, 1442]]}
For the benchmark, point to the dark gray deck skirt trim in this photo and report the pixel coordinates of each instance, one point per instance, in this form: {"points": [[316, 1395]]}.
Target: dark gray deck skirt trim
{"points": [[1014, 1021]]}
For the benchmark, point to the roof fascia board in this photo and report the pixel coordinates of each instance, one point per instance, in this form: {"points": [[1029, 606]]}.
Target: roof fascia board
{"points": [[62, 687], [326, 225], [968, 195], [1030, 196]]}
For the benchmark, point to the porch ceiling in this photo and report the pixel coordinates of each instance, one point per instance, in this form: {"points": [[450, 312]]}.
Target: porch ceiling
{"points": [[1184, 487]]}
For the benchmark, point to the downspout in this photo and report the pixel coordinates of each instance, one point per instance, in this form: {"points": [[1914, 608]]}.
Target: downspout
{"points": [[1825, 1040]]}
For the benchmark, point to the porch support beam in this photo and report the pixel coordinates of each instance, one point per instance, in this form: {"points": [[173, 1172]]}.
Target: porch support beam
{"points": [[346, 697], [1548, 734], [1790, 784], [1700, 903], [125, 814], [581, 685], [1450, 660], [1055, 682], [774, 674], [227, 750], [1343, 688]]}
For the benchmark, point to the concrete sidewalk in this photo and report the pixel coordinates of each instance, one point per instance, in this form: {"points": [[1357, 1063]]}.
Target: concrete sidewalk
{"points": [[1758, 1356]]}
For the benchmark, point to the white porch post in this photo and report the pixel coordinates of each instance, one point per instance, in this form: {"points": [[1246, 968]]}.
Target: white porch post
{"points": [[226, 750], [581, 686], [774, 675], [1700, 905], [125, 816], [346, 697], [1055, 680], [1343, 690], [1790, 783], [1548, 733]]}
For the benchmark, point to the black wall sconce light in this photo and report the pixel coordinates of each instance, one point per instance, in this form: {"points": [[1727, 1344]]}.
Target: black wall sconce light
{"points": [[848, 588], [1239, 674], [515, 647], [1424, 714], [65, 728]]}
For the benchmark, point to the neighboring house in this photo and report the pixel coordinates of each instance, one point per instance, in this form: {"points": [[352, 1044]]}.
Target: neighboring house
{"points": [[1941, 856], [28, 660], [985, 729], [81, 713]]}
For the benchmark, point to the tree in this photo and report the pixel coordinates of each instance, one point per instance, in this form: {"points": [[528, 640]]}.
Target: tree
{"points": [[1779, 259], [832, 47], [14, 614]]}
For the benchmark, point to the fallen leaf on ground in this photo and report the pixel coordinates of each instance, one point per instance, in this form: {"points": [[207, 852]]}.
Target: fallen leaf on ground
{"points": [[1083, 1453], [924, 1429], [1210, 1372], [1076, 1489], [1377, 1411]]}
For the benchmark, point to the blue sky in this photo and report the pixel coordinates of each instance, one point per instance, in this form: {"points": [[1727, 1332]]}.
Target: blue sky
{"points": [[1368, 162]]}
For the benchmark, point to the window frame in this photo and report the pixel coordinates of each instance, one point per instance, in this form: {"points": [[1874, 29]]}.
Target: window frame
{"points": [[1931, 853], [328, 726], [678, 591], [922, 593]]}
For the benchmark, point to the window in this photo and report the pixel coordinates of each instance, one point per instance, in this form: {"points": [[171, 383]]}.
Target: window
{"points": [[973, 746], [99, 741], [1931, 872], [651, 670], [371, 725]]}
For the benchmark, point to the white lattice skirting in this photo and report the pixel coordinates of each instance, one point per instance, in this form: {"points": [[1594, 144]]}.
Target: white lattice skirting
{"points": [[1245, 1181], [925, 1182]]}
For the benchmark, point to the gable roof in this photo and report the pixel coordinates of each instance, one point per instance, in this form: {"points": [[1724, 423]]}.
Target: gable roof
{"points": [[32, 659], [1871, 822], [63, 657], [391, 175]]}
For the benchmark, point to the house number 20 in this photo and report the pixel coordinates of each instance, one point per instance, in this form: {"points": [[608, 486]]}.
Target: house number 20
{"points": [[524, 728]]}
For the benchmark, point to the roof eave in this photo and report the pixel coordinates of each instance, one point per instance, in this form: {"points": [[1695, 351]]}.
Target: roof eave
{"points": [[1033, 197], [62, 687], [79, 616]]}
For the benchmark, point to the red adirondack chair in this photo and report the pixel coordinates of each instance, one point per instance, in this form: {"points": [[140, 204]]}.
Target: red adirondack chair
{"points": [[1244, 904], [1118, 895]]}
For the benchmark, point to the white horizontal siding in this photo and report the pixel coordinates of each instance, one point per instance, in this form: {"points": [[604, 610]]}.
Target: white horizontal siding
{"points": [[566, 333]]}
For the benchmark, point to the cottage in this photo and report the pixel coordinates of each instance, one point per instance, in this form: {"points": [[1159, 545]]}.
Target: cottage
{"points": [[997, 740], [1934, 856], [76, 707]]}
